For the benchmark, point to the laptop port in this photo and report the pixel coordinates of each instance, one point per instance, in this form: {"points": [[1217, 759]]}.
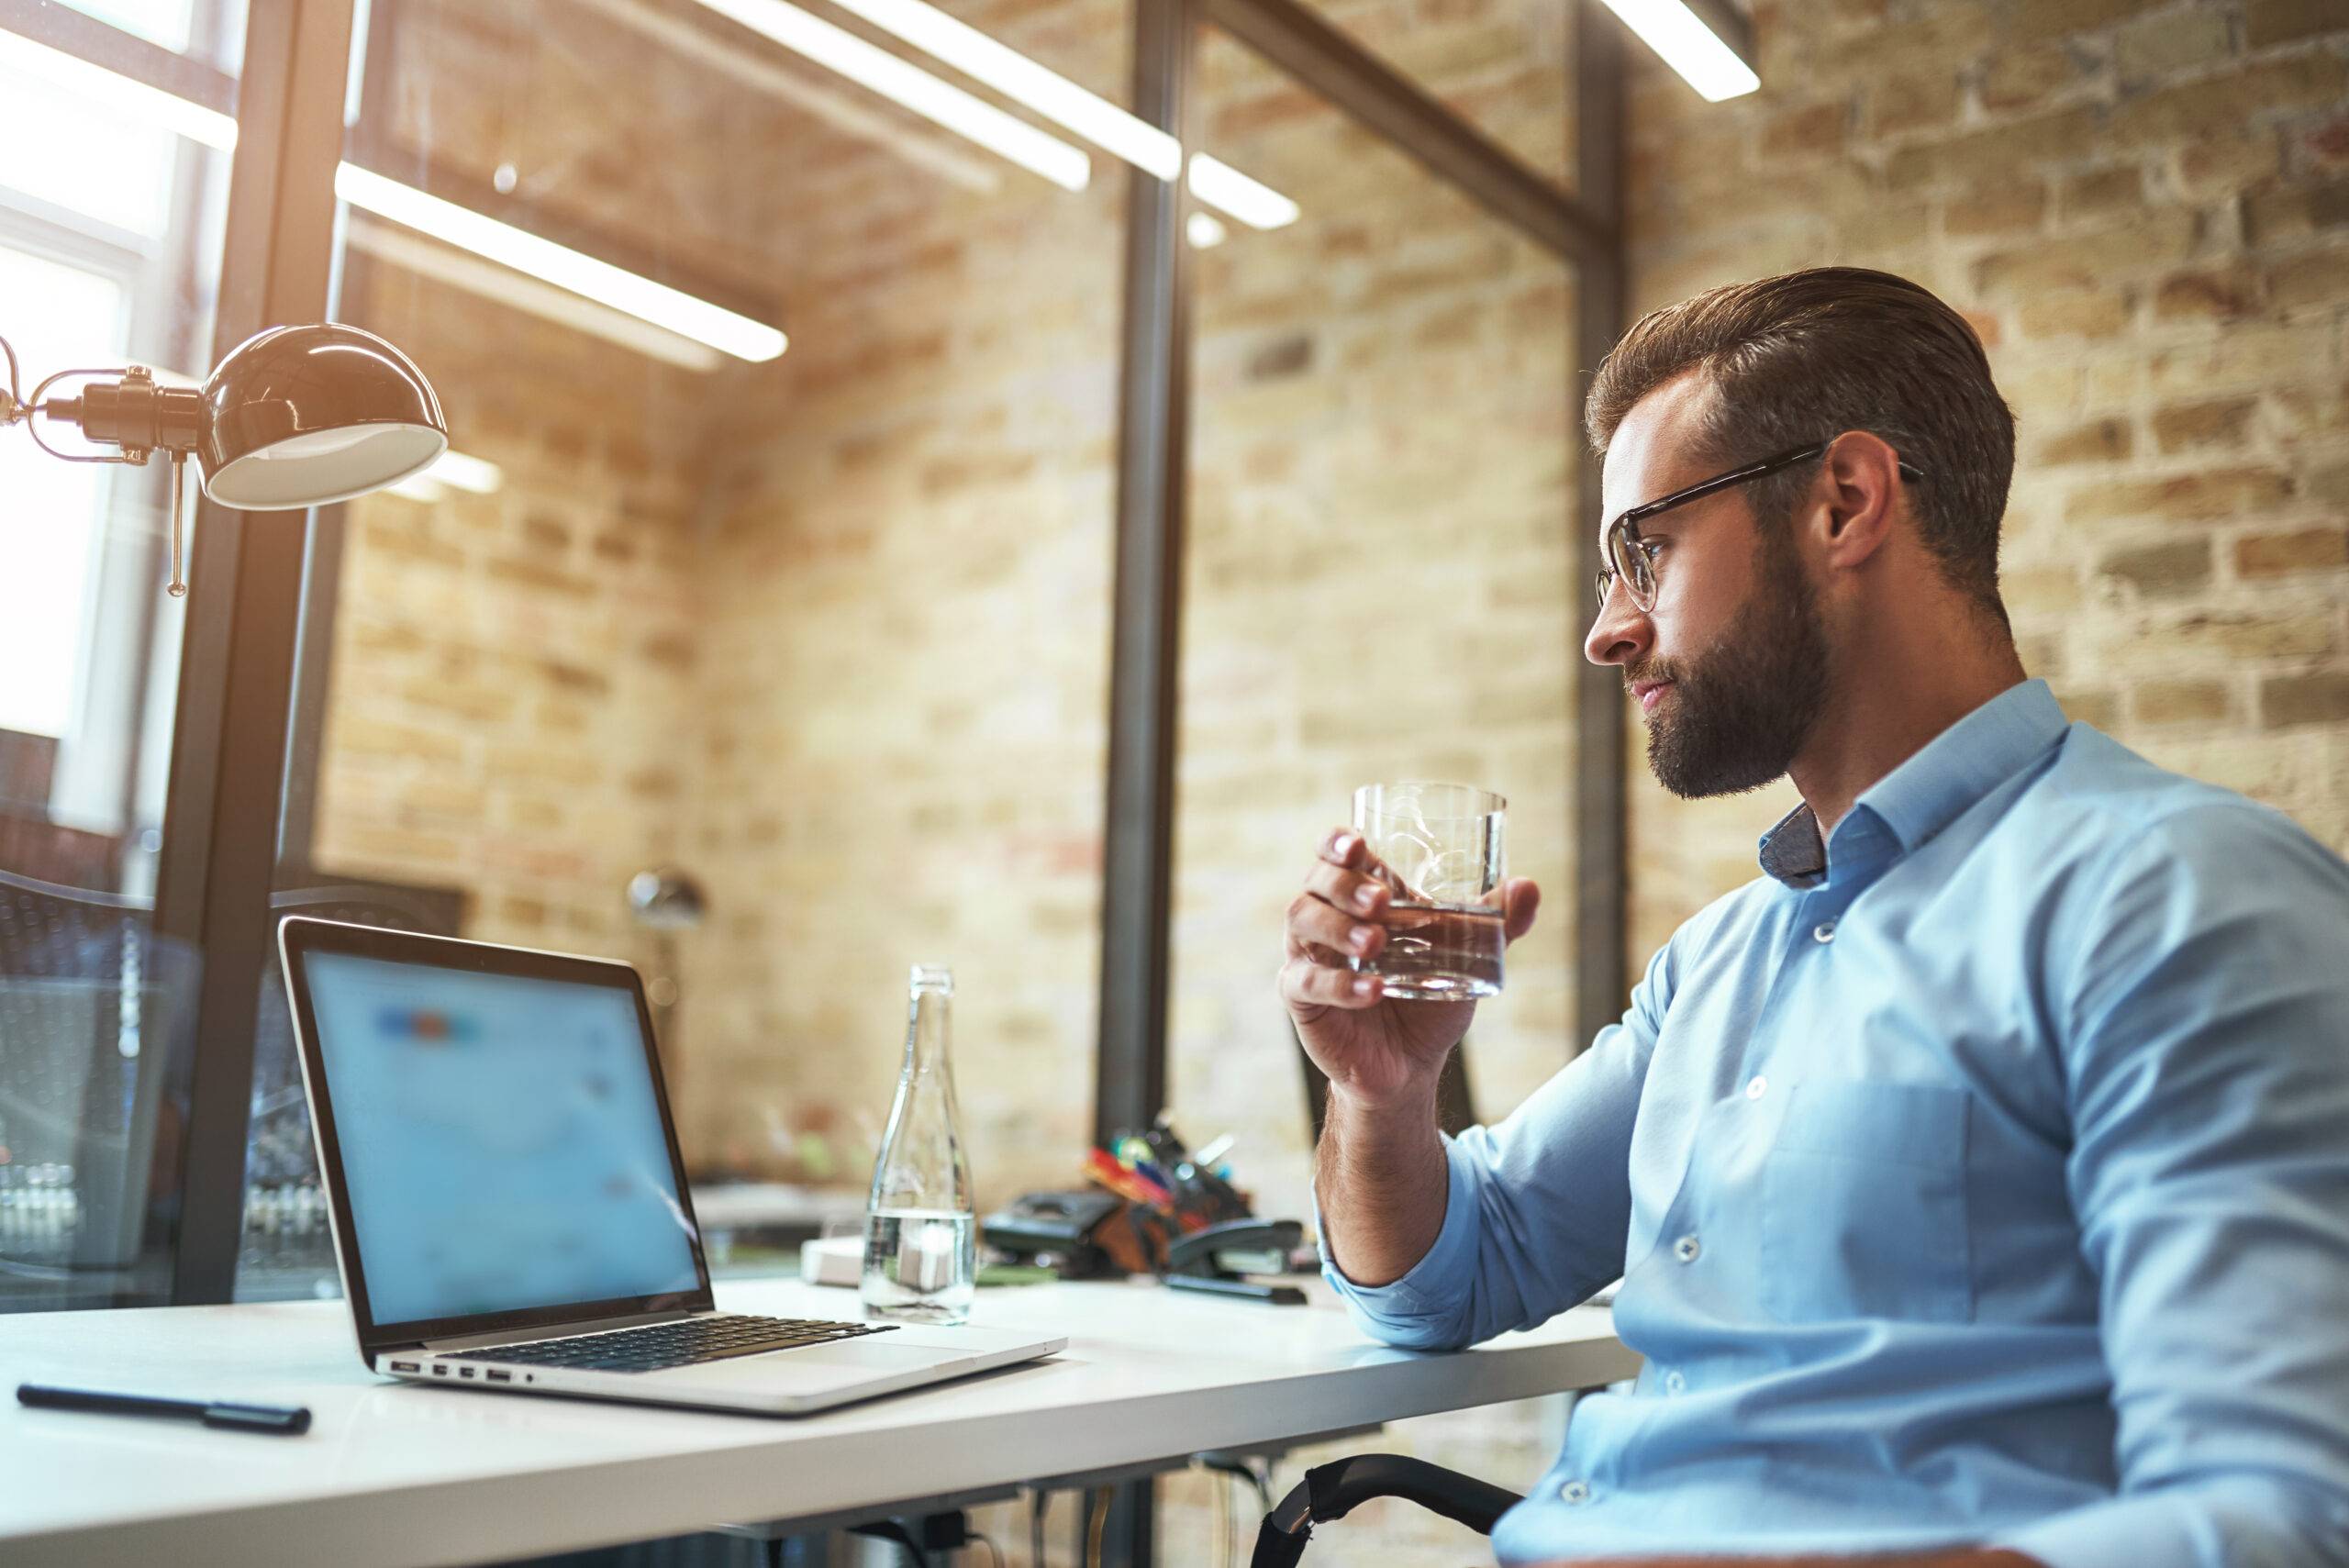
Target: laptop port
{"points": [[499, 1376], [403, 1366], [464, 1372], [439, 1372]]}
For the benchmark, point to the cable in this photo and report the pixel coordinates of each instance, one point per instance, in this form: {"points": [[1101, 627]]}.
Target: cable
{"points": [[1220, 1488], [1037, 1503], [1100, 1496]]}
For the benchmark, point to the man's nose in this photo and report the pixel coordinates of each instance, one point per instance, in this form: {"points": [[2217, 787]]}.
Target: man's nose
{"points": [[1622, 633]]}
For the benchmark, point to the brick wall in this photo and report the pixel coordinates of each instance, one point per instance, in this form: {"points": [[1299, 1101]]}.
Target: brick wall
{"points": [[2144, 209]]}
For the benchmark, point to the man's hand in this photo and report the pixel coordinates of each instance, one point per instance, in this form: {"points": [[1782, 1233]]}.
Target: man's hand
{"points": [[1374, 1048]]}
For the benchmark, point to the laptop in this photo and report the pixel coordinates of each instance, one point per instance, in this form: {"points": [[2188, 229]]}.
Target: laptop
{"points": [[509, 1205]]}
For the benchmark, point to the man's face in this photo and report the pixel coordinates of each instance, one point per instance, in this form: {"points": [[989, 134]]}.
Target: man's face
{"points": [[1731, 666]]}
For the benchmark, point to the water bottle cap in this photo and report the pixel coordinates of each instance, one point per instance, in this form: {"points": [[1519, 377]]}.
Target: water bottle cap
{"points": [[933, 977]]}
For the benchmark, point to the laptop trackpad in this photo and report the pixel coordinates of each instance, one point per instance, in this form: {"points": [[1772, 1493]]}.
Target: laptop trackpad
{"points": [[866, 1355]]}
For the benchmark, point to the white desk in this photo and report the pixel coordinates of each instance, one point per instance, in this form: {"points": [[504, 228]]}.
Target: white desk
{"points": [[400, 1474]]}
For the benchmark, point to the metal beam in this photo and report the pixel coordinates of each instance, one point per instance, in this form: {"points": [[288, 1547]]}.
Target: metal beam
{"points": [[1153, 400], [1332, 64], [1601, 864], [220, 834]]}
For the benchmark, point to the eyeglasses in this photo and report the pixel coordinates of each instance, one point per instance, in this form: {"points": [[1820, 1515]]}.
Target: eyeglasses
{"points": [[1631, 558]]}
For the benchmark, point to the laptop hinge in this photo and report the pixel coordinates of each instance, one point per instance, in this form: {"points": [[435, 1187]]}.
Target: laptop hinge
{"points": [[553, 1330]]}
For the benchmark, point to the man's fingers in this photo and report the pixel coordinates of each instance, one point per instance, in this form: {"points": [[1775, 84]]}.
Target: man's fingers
{"points": [[1315, 922], [1521, 900], [1305, 985]]}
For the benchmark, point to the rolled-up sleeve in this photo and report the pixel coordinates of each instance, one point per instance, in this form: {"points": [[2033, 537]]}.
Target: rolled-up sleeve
{"points": [[2208, 1059], [1537, 1206]]}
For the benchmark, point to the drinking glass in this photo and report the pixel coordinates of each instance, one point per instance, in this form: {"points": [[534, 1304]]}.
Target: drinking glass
{"points": [[1437, 846]]}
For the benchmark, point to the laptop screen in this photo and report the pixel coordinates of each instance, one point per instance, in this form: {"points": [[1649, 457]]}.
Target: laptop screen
{"points": [[502, 1146]]}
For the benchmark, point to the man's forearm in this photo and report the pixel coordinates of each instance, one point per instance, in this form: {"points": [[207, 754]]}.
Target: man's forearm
{"points": [[1969, 1557], [1381, 1181]]}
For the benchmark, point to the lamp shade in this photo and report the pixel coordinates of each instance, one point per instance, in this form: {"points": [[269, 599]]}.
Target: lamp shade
{"points": [[303, 416]]}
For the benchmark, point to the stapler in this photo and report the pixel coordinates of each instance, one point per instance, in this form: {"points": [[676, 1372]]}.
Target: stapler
{"points": [[1216, 1259]]}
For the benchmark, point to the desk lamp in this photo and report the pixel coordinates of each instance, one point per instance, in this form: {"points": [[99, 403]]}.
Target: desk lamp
{"points": [[295, 417]]}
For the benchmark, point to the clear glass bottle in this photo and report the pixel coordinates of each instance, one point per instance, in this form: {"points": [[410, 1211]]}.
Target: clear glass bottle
{"points": [[921, 1232]]}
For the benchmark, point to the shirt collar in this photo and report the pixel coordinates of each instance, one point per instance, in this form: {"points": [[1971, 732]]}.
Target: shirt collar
{"points": [[1924, 794]]}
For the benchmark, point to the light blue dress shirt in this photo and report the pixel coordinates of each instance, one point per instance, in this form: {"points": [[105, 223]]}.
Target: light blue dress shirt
{"points": [[1981, 1176]]}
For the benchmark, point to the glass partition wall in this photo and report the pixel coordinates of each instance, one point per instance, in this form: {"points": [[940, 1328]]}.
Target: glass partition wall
{"points": [[107, 256]]}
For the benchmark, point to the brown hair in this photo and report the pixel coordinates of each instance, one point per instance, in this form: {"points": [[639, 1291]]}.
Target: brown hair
{"points": [[1806, 355]]}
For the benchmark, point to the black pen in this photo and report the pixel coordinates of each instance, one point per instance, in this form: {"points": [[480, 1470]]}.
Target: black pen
{"points": [[283, 1421]]}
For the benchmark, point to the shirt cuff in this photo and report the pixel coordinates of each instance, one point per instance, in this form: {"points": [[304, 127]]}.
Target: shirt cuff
{"points": [[1439, 1279]]}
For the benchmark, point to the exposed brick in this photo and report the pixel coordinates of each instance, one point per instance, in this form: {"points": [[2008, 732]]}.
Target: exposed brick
{"points": [[2302, 550], [1986, 155], [1907, 103], [2101, 191], [2160, 570], [2319, 698], [2091, 260], [2190, 497], [2269, 22], [2003, 207], [2032, 19], [2179, 702], [2319, 279], [2222, 292], [2097, 440], [2231, 98], [2238, 635], [2168, 41], [2219, 422], [1810, 132], [2073, 313], [2294, 212], [2024, 78]]}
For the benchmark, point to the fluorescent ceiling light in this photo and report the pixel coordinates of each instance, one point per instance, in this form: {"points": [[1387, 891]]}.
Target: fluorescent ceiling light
{"points": [[1252, 202], [1058, 99], [599, 282], [97, 86], [477, 475], [1016, 77], [1688, 46], [1205, 231], [427, 258], [452, 470], [642, 297], [936, 101]]}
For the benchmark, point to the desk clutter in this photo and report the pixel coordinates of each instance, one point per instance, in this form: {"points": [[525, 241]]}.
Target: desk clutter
{"points": [[1151, 1206]]}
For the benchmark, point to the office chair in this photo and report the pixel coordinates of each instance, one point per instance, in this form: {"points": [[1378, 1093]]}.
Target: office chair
{"points": [[1333, 1490], [287, 1243], [91, 1000]]}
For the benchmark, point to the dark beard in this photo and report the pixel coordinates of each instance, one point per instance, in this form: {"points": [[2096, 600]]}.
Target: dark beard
{"points": [[1740, 711]]}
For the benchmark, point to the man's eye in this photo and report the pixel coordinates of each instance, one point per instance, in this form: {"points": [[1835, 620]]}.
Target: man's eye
{"points": [[1651, 548]]}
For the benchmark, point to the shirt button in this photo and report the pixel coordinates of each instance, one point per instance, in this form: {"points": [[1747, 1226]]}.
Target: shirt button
{"points": [[1685, 1248], [1824, 932], [1674, 1382], [1756, 1086], [1575, 1491]]}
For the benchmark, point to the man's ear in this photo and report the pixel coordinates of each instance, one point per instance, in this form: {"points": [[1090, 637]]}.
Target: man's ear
{"points": [[1860, 477]]}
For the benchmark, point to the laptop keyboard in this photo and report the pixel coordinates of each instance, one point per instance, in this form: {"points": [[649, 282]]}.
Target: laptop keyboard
{"points": [[683, 1343]]}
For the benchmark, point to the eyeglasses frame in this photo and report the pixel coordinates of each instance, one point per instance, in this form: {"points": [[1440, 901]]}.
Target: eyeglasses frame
{"points": [[1626, 525]]}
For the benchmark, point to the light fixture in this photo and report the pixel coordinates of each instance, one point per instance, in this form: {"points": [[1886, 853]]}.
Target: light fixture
{"points": [[1112, 130], [1252, 202], [293, 416], [939, 102], [1688, 46], [679, 312], [1204, 232]]}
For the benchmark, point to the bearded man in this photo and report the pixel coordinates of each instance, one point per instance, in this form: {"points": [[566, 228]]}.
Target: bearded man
{"points": [[1978, 1175]]}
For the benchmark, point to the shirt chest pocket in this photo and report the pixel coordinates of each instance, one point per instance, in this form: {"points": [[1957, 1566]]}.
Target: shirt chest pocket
{"points": [[1863, 1204]]}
